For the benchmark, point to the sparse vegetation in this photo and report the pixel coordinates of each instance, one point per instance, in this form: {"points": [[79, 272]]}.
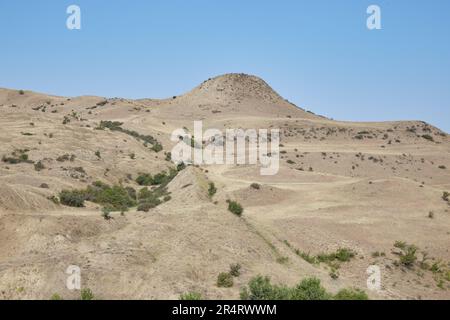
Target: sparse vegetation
{"points": [[38, 166], [117, 126], [331, 259], [255, 186]]}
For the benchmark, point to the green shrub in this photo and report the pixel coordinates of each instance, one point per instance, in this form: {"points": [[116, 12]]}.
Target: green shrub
{"points": [[224, 280], [307, 257], [21, 92], [148, 204], [344, 254], [72, 198], [255, 186], [191, 296], [144, 179], [162, 178], [157, 147], [351, 294], [106, 213], [53, 199], [235, 208], [86, 294], [56, 296], [212, 189], [235, 269], [260, 288], [116, 198], [408, 258], [427, 137], [445, 196], [408, 255], [309, 289], [97, 154], [18, 156], [131, 193], [334, 274], [117, 126], [38, 166]]}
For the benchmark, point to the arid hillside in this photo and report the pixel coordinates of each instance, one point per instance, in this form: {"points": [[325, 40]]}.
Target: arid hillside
{"points": [[89, 181]]}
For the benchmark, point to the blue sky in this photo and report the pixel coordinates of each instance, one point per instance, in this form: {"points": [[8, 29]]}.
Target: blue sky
{"points": [[318, 54]]}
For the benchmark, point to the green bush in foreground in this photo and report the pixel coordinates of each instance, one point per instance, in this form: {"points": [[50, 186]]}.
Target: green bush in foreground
{"points": [[225, 280], [73, 198], [260, 288], [309, 289], [191, 296]]}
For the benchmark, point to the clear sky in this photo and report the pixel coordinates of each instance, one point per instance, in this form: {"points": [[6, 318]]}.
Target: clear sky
{"points": [[318, 54]]}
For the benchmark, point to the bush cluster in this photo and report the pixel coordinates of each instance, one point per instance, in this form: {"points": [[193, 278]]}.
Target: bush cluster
{"points": [[260, 288]]}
